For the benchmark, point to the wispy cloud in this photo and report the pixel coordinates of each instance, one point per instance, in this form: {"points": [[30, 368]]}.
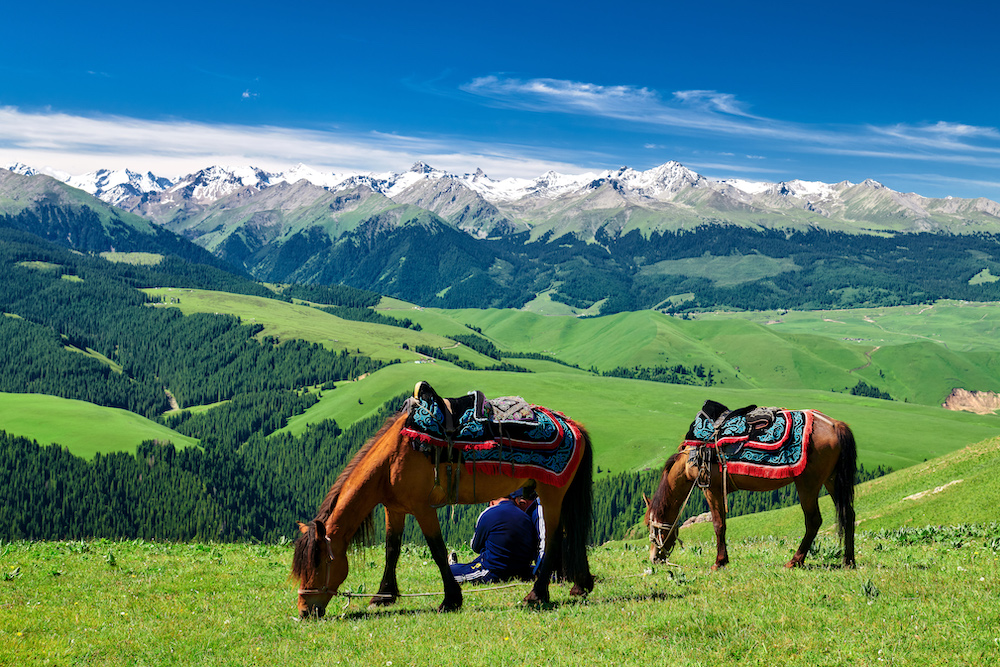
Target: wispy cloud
{"points": [[695, 109], [952, 180], [718, 113], [79, 144]]}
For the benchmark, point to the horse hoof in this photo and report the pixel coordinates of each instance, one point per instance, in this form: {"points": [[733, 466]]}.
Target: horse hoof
{"points": [[382, 600], [579, 591], [532, 599], [449, 606]]}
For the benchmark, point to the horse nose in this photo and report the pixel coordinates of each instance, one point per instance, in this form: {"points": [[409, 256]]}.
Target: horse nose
{"points": [[313, 611]]}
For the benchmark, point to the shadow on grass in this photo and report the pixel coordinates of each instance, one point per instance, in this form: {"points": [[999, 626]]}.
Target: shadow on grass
{"points": [[370, 612]]}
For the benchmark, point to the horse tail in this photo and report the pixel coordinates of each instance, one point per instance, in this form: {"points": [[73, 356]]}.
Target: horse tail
{"points": [[844, 478], [576, 518]]}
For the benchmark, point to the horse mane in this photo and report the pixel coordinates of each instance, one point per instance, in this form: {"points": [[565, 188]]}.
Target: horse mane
{"points": [[663, 488], [305, 559], [308, 546], [333, 495]]}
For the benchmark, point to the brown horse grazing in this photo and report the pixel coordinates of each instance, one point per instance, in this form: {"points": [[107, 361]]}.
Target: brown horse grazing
{"points": [[830, 461], [388, 471]]}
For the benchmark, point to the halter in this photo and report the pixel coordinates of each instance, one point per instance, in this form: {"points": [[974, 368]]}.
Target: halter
{"points": [[657, 536]]}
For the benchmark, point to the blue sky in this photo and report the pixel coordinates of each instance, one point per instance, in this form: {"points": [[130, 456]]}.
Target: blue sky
{"points": [[905, 93]]}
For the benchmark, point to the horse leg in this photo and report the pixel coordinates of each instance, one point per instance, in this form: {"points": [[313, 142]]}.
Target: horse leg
{"points": [[845, 515], [431, 528], [809, 500], [717, 504], [539, 593], [388, 590]]}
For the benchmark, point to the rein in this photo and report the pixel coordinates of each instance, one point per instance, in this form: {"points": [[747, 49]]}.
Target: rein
{"points": [[656, 528]]}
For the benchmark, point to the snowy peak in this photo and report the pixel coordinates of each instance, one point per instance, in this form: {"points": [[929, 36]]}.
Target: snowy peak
{"points": [[672, 193], [215, 182], [21, 168], [118, 186], [301, 172]]}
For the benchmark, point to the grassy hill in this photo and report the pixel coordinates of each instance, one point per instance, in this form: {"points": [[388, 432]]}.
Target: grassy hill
{"points": [[636, 424], [918, 596], [917, 354], [83, 427]]}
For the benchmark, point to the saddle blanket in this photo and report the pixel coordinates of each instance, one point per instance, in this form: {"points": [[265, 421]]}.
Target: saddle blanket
{"points": [[529, 442], [773, 447]]}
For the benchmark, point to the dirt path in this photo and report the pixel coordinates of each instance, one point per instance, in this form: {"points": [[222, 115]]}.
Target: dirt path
{"points": [[868, 355]]}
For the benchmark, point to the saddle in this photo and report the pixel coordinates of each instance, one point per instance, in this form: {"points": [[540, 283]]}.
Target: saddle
{"points": [[747, 422]]}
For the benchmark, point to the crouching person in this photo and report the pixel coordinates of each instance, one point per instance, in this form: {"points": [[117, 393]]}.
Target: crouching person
{"points": [[507, 543]]}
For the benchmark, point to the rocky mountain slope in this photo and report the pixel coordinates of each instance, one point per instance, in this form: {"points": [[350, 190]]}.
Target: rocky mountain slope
{"points": [[667, 197]]}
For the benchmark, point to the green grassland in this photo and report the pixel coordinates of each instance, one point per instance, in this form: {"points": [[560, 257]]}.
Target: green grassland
{"points": [[959, 325], [285, 320], [136, 258], [923, 593], [636, 424], [917, 354], [83, 427], [724, 271]]}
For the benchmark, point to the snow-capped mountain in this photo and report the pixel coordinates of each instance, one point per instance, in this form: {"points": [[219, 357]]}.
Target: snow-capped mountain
{"points": [[673, 196], [117, 187], [25, 170]]}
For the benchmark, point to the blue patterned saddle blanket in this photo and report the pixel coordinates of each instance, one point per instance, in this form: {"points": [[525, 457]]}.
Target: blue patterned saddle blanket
{"points": [[758, 442], [496, 436]]}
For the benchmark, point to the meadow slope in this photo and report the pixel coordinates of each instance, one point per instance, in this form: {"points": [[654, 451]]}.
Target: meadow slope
{"points": [[923, 593]]}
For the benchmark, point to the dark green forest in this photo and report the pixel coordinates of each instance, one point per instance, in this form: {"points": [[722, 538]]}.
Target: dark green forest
{"points": [[201, 359], [434, 265]]}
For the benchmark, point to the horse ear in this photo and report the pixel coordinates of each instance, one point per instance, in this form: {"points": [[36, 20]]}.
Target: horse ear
{"points": [[303, 527], [646, 500], [320, 529]]}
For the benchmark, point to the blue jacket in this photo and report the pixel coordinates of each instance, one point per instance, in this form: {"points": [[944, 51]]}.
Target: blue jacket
{"points": [[506, 539]]}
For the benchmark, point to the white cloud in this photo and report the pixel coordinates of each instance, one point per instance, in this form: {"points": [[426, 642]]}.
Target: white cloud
{"points": [[709, 112], [80, 144]]}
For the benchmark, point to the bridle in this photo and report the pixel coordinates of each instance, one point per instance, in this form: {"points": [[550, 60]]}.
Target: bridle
{"points": [[659, 533], [326, 587]]}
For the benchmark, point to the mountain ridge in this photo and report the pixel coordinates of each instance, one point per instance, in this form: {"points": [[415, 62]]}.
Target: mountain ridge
{"points": [[482, 206], [620, 240]]}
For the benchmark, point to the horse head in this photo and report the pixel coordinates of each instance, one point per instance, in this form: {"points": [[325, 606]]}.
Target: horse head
{"points": [[662, 511], [319, 568]]}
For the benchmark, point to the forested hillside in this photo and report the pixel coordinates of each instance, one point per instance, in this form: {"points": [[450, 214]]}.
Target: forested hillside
{"points": [[76, 326]]}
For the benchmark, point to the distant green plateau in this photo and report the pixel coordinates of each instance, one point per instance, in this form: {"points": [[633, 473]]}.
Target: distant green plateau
{"points": [[85, 428], [787, 358], [792, 359]]}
